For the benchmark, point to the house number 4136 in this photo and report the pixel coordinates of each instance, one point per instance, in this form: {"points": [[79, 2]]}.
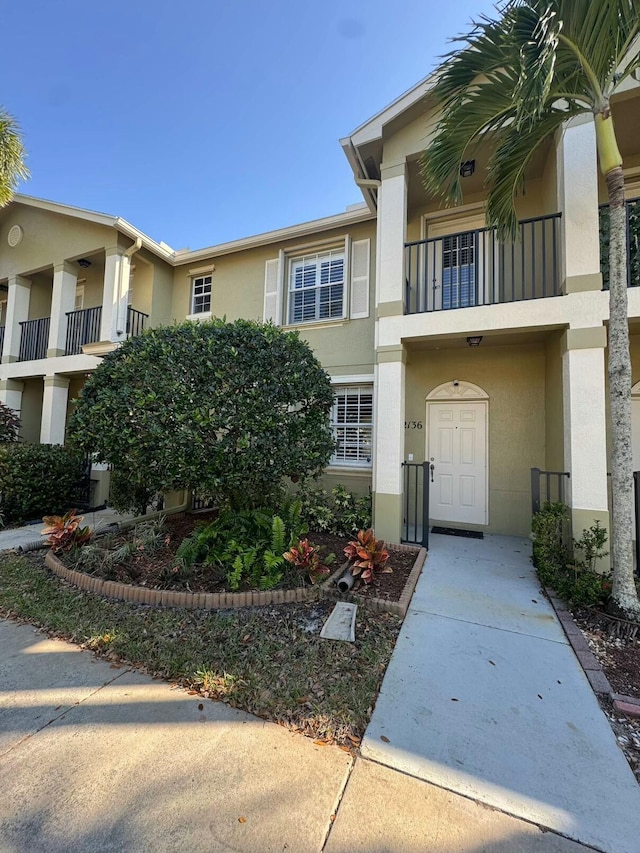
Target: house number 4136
{"points": [[413, 424]]}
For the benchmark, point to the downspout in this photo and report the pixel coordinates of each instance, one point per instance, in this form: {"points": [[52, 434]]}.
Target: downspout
{"points": [[121, 325]]}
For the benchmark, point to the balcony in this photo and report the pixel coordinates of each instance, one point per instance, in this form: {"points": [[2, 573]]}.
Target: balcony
{"points": [[136, 322], [633, 243], [475, 268], [83, 327], [34, 339]]}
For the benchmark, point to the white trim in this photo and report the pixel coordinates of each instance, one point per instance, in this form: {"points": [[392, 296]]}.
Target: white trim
{"points": [[204, 315], [197, 271], [456, 389], [161, 249], [354, 379], [351, 217]]}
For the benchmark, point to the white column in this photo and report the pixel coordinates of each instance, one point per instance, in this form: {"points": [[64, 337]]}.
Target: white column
{"points": [[585, 432], [389, 443], [117, 267], [11, 394], [63, 299], [391, 237], [17, 311], [577, 176], [54, 409]]}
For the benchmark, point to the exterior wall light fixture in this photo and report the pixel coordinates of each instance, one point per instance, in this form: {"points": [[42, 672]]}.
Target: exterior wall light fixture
{"points": [[474, 340], [84, 263], [467, 168]]}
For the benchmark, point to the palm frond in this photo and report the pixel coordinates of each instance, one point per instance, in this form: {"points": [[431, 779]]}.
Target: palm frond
{"points": [[12, 156], [511, 156]]}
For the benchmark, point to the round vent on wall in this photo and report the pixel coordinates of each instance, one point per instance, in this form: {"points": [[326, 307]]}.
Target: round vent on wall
{"points": [[15, 236]]}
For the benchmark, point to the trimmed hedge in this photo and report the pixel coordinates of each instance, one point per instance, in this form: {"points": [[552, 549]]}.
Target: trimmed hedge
{"points": [[37, 480]]}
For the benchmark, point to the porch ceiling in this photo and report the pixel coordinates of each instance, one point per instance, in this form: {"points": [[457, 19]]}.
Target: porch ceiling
{"points": [[495, 339]]}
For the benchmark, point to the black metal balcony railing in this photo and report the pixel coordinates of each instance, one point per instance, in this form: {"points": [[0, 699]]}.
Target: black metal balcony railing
{"points": [[1, 339], [83, 327], [633, 243], [475, 268], [136, 322], [34, 339]]}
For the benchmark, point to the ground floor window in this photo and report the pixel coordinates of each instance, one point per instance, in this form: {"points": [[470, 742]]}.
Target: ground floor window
{"points": [[352, 422]]}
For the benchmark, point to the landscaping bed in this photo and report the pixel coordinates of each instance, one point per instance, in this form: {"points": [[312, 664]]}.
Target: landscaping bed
{"points": [[154, 563], [269, 660]]}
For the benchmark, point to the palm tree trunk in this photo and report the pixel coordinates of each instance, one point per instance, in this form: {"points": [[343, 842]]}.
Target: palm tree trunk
{"points": [[624, 595]]}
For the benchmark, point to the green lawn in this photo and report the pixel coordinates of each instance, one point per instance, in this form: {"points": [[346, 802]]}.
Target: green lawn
{"points": [[269, 660]]}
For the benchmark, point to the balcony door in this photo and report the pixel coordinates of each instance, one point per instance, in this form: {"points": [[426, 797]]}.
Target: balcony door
{"points": [[455, 264]]}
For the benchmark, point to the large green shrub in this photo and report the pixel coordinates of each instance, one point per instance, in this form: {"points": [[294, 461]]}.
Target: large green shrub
{"points": [[9, 424], [222, 409], [37, 480], [340, 512]]}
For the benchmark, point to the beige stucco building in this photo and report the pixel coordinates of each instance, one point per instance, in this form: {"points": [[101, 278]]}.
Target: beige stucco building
{"points": [[444, 345]]}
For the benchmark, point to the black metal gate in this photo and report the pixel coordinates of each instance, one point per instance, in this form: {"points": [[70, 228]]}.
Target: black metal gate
{"points": [[415, 525]]}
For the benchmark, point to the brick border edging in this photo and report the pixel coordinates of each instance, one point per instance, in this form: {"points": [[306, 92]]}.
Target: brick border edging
{"points": [[381, 605], [599, 682], [224, 600]]}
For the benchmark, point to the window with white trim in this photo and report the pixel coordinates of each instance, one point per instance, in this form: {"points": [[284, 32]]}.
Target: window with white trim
{"points": [[201, 294], [352, 424], [316, 287]]}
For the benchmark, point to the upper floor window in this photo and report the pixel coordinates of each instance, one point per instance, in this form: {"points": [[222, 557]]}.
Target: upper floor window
{"points": [[316, 287], [201, 294], [352, 423]]}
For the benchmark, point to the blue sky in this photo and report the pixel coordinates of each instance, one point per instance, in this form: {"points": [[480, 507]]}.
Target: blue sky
{"points": [[201, 122]]}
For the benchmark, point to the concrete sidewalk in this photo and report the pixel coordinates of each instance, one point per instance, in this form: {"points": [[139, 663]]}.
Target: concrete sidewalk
{"points": [[18, 537], [484, 697], [96, 758]]}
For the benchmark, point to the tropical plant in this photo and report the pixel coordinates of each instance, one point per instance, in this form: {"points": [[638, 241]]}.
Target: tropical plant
{"points": [[367, 556], [306, 558], [514, 83], [12, 157], [340, 512], [64, 531], [224, 409]]}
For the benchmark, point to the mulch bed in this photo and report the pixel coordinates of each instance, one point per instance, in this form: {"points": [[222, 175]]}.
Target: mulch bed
{"points": [[619, 658], [154, 569]]}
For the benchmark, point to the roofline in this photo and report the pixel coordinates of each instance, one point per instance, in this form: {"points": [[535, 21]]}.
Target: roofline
{"points": [[372, 128], [350, 217], [163, 251]]}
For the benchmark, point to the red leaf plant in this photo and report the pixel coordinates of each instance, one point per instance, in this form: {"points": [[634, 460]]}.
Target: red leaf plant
{"points": [[64, 531], [367, 556], [306, 557]]}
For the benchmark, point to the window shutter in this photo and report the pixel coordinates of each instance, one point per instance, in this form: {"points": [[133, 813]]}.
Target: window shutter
{"points": [[360, 252], [272, 291]]}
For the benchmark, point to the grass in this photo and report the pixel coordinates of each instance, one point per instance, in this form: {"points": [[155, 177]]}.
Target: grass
{"points": [[269, 661]]}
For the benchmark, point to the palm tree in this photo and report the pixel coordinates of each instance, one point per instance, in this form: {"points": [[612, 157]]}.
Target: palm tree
{"points": [[12, 156], [513, 83]]}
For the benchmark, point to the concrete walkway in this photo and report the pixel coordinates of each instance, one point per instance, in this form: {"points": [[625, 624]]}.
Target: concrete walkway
{"points": [[99, 759], [18, 537], [484, 697]]}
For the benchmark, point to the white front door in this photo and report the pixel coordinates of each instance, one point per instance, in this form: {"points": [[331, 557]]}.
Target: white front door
{"points": [[457, 450]]}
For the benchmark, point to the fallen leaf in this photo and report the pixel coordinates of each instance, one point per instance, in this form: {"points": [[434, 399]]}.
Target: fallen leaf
{"points": [[384, 739], [192, 692], [534, 600], [539, 696], [455, 700], [492, 663], [332, 818], [321, 742], [345, 748], [303, 700], [200, 706], [242, 820]]}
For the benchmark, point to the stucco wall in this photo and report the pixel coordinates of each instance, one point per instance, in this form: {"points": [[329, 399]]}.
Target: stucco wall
{"points": [[554, 414], [343, 347], [514, 379], [49, 239], [31, 410]]}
